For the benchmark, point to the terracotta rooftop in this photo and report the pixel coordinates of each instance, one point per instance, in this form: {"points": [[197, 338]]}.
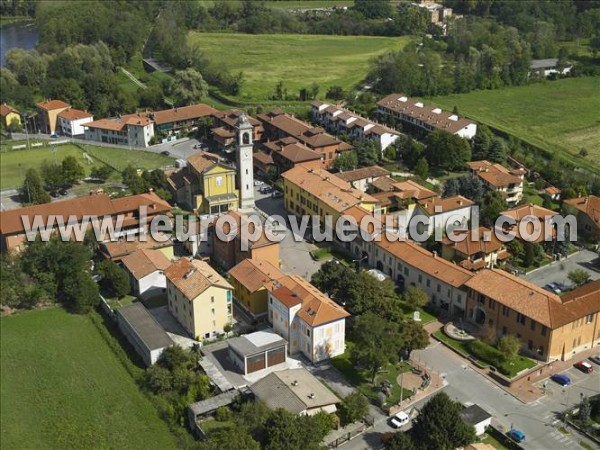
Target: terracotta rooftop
{"points": [[240, 218], [589, 205], [255, 273], [316, 308], [444, 204], [131, 203], [49, 105], [552, 190], [429, 114], [262, 158], [330, 189], [74, 114], [412, 189], [143, 262], [118, 249], [363, 173], [496, 174], [183, 113], [298, 153], [470, 246], [192, 278], [7, 109], [204, 160], [120, 123]]}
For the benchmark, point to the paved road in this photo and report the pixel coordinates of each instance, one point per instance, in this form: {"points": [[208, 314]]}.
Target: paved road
{"points": [[557, 272], [535, 419]]}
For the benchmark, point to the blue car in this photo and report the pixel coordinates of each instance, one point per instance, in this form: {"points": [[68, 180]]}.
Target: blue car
{"points": [[516, 435], [561, 379]]}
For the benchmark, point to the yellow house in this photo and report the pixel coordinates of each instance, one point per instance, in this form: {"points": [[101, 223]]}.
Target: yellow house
{"points": [[9, 115], [199, 298], [317, 192], [251, 280], [214, 191], [48, 112]]}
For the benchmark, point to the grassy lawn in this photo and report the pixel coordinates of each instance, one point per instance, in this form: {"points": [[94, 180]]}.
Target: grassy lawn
{"points": [[119, 158], [486, 354], [560, 116], [116, 303], [211, 425], [362, 379], [63, 387], [321, 254], [491, 440], [297, 60]]}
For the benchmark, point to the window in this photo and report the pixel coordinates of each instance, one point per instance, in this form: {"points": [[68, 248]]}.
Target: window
{"points": [[406, 271], [505, 311], [212, 299], [428, 282], [439, 287], [420, 279], [544, 330], [530, 344], [219, 181], [532, 325], [504, 330], [589, 318], [520, 318], [308, 332], [213, 311]]}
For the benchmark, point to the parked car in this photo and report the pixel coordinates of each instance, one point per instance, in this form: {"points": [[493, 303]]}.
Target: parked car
{"points": [[63, 192], [552, 287], [399, 419], [595, 359], [265, 189], [258, 183], [54, 135], [165, 152], [516, 435], [561, 378], [277, 194], [584, 366]]}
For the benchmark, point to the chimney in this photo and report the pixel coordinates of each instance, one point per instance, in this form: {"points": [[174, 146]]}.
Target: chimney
{"points": [[460, 202], [311, 395], [434, 254], [295, 383]]}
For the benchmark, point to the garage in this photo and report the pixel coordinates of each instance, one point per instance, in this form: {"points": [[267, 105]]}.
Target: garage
{"points": [[257, 351]]}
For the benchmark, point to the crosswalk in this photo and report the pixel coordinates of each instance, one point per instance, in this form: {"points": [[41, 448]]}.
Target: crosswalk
{"points": [[563, 440]]}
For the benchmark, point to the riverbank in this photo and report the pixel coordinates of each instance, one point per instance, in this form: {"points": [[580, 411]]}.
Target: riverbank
{"points": [[10, 20]]}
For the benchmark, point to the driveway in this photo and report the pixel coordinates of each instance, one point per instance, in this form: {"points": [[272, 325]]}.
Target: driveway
{"points": [[557, 272], [173, 328]]}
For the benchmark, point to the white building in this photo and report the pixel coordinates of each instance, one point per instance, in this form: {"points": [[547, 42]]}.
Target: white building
{"points": [[439, 212], [342, 121], [478, 417], [547, 67], [421, 118], [496, 177], [313, 324], [244, 136], [134, 130], [146, 270], [71, 121]]}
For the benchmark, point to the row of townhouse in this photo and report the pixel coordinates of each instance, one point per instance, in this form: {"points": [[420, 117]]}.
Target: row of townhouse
{"points": [[421, 119], [338, 120]]}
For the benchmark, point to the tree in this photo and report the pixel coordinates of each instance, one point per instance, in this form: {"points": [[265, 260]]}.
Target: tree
{"points": [[451, 187], [585, 409], [497, 151], [400, 441], [80, 292], [415, 297], [370, 294], [336, 280], [131, 178], [72, 171], [578, 277], [346, 161], [373, 9], [492, 205], [481, 143], [509, 346], [447, 151], [353, 408], [284, 430], [439, 425], [52, 174], [368, 152], [101, 173], [412, 337], [335, 93], [114, 279], [225, 439], [189, 86], [32, 190], [422, 169], [377, 342]]}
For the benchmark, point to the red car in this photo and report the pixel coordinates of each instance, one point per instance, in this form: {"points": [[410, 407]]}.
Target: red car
{"points": [[584, 366]]}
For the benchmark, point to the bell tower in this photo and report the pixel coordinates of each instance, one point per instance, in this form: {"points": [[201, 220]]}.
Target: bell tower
{"points": [[243, 137]]}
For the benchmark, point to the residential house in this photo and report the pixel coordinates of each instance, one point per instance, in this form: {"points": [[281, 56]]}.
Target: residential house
{"points": [[443, 213], [546, 67], [256, 351], [117, 250], [251, 280], [316, 192], [496, 177], [278, 125], [134, 130], [474, 249], [9, 115], [143, 332], [532, 223], [338, 120], [553, 193], [311, 323], [199, 298], [224, 125], [206, 184], [262, 162], [477, 417], [176, 119], [439, 14], [588, 217], [233, 249], [48, 112], [146, 271], [71, 121], [550, 327], [421, 119], [295, 390], [362, 178], [288, 152]]}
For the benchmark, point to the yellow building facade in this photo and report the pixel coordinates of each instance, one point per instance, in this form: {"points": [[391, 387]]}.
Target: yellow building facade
{"points": [[9, 115]]}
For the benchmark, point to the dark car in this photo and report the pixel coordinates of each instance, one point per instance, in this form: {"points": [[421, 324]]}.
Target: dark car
{"points": [[584, 366], [561, 378], [63, 192], [516, 435], [595, 359], [165, 152]]}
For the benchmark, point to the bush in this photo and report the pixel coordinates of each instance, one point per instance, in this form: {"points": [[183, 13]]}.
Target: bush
{"points": [[223, 414]]}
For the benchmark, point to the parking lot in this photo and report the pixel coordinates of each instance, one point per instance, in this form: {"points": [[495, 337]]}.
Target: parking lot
{"points": [[558, 272]]}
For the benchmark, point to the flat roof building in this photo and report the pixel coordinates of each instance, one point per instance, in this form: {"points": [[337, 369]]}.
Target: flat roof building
{"points": [[256, 351]]}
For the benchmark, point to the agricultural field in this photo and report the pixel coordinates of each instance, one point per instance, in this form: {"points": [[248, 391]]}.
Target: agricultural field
{"points": [[14, 163], [297, 60], [559, 116], [63, 387]]}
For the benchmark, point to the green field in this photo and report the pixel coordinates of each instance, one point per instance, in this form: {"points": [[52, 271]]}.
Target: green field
{"points": [[63, 387], [561, 115], [13, 164], [297, 60]]}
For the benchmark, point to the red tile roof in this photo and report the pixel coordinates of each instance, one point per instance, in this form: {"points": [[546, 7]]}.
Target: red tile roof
{"points": [[183, 113], [589, 205], [49, 105], [143, 262], [438, 205], [192, 278], [6, 110], [255, 273], [74, 114]]}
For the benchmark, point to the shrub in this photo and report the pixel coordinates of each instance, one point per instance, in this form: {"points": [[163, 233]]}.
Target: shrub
{"points": [[222, 414]]}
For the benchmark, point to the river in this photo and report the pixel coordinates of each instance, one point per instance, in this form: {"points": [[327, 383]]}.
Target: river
{"points": [[17, 35]]}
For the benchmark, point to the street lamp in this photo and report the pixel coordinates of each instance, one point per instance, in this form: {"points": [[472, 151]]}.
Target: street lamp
{"points": [[358, 261]]}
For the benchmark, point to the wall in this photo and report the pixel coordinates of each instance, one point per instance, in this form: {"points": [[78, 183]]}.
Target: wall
{"points": [[205, 320], [328, 340], [152, 284]]}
